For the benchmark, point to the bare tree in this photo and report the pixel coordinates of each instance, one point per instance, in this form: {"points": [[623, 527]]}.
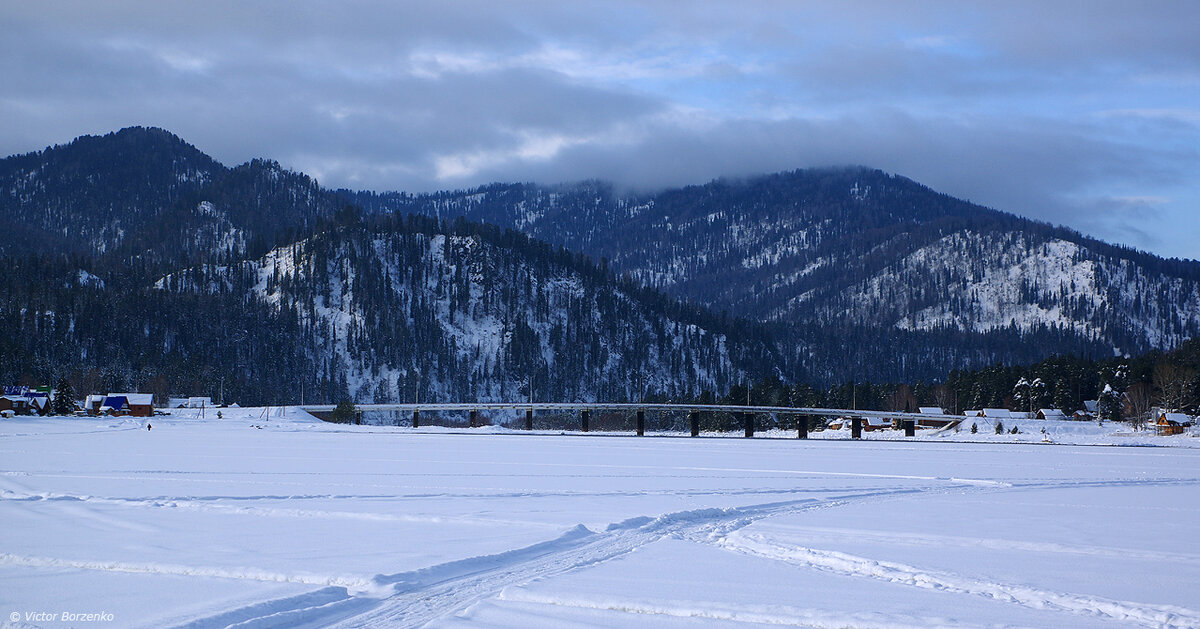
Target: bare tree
{"points": [[902, 399], [944, 397], [1174, 385], [1139, 397]]}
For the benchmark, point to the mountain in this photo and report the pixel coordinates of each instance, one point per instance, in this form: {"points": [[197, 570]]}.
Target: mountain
{"points": [[834, 257], [395, 308], [148, 266], [136, 253], [145, 193]]}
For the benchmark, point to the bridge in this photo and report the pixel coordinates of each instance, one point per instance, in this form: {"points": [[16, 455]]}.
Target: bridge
{"points": [[694, 411]]}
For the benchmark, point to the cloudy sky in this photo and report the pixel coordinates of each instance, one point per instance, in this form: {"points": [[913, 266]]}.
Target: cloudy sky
{"points": [[1081, 113]]}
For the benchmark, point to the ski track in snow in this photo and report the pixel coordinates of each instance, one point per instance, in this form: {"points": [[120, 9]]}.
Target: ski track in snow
{"points": [[1165, 616], [782, 615], [420, 596], [413, 599]]}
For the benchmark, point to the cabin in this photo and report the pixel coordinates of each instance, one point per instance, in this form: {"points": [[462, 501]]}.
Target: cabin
{"points": [[877, 423], [39, 402], [92, 404], [1091, 407], [15, 404], [868, 423], [1172, 423], [934, 422], [1051, 413], [114, 405], [991, 413], [132, 404]]}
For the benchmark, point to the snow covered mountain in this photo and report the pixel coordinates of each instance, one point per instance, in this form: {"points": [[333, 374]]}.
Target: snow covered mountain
{"points": [[829, 249], [849, 273], [145, 192], [403, 309]]}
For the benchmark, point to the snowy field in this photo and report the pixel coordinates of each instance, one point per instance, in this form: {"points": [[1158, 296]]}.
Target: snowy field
{"points": [[256, 521]]}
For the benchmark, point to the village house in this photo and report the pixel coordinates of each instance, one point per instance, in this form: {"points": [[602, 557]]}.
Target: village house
{"points": [[868, 423], [26, 401], [991, 413], [92, 404], [1051, 413], [14, 404], [934, 422], [132, 404], [1172, 423]]}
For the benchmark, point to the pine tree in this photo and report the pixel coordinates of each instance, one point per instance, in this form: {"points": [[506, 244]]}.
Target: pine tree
{"points": [[64, 398], [1110, 405], [344, 413]]}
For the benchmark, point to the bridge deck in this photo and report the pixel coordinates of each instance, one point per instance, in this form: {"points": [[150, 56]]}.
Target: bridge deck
{"points": [[448, 407]]}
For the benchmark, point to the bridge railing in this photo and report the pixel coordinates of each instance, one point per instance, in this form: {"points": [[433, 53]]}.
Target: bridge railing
{"points": [[608, 415]]}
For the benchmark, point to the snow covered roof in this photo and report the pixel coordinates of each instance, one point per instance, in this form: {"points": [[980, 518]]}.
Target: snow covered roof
{"points": [[998, 413], [932, 410], [877, 421], [1181, 419], [1051, 413], [1091, 405], [139, 399]]}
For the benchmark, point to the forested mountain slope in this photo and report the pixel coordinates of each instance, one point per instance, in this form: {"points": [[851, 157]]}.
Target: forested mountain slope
{"points": [[855, 247], [377, 309], [849, 273]]}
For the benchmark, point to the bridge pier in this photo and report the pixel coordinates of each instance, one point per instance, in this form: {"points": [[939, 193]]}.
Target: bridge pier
{"points": [[910, 428], [802, 426], [748, 421], [856, 428], [583, 420], [529, 419], [694, 420], [474, 418], [641, 422], [416, 419]]}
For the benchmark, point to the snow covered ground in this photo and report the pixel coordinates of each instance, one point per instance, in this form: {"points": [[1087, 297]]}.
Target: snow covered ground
{"points": [[268, 518]]}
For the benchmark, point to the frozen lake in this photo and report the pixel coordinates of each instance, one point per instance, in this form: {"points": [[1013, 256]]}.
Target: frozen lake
{"points": [[217, 523]]}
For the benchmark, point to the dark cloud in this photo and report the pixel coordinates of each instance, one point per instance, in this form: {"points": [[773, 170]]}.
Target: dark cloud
{"points": [[1060, 111]]}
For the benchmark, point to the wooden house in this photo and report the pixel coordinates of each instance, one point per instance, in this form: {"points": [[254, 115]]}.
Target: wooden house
{"points": [[1051, 413], [92, 404], [17, 404], [935, 422], [1172, 423], [132, 404]]}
